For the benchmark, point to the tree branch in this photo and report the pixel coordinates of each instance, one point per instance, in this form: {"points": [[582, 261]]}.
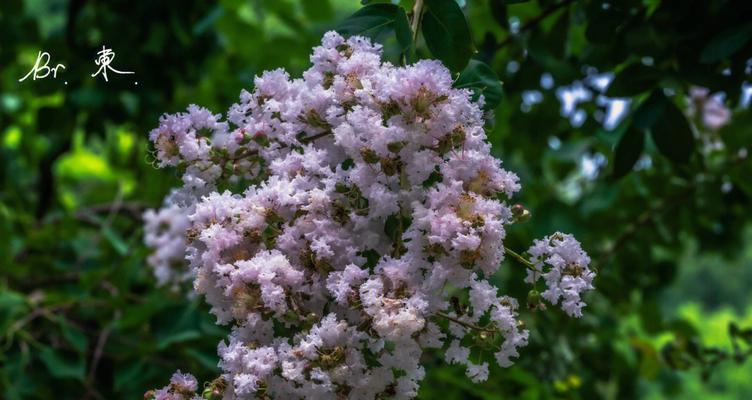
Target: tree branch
{"points": [[465, 324], [520, 259], [534, 22]]}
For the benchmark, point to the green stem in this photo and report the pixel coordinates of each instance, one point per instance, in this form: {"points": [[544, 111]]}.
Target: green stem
{"points": [[417, 13], [520, 258]]}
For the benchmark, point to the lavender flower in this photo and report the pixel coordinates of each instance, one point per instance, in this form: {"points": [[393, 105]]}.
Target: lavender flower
{"points": [[369, 196]]}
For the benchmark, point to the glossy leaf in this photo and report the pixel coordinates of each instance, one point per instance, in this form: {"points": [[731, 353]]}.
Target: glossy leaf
{"points": [[649, 110], [482, 80], [376, 21], [447, 33], [633, 80], [628, 151], [62, 366], [726, 43], [402, 29], [672, 134]]}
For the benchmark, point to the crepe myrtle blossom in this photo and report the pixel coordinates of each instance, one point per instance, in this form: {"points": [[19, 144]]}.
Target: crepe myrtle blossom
{"points": [[341, 224], [563, 265]]}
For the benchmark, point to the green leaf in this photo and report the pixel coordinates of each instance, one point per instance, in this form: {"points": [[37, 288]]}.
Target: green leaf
{"points": [[740, 177], [649, 110], [514, 1], [500, 14], [128, 373], [61, 366], [447, 34], [208, 359], [402, 30], [115, 240], [633, 80], [726, 43], [672, 134], [392, 225], [180, 324], [376, 21], [628, 151], [736, 134], [76, 337], [12, 305], [320, 10], [482, 80], [165, 340]]}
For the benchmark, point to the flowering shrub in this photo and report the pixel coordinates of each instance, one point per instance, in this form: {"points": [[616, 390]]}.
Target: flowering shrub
{"points": [[341, 224]]}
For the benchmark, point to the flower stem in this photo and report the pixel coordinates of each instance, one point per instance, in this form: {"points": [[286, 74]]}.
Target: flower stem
{"points": [[520, 258], [417, 13]]}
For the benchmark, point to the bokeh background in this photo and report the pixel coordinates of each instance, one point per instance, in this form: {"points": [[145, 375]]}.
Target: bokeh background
{"points": [[81, 315]]}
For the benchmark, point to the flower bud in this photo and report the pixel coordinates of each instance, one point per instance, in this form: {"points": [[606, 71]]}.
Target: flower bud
{"points": [[369, 155], [533, 300], [389, 166], [520, 213]]}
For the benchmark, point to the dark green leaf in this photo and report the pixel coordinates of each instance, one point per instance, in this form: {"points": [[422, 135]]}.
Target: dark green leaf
{"points": [[61, 366], [500, 14], [392, 225], [633, 80], [402, 30], [74, 336], [479, 77], [320, 10], [672, 134], [376, 21], [115, 240], [128, 373], [740, 177], [628, 151], [179, 325], [649, 110], [736, 135], [726, 43], [12, 305], [208, 359], [447, 34], [514, 1]]}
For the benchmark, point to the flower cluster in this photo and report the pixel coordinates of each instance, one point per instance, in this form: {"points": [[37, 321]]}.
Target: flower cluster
{"points": [[343, 223], [566, 271], [181, 387]]}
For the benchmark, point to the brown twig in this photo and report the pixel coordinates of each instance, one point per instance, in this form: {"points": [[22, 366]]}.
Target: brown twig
{"points": [[465, 324], [99, 349], [309, 139]]}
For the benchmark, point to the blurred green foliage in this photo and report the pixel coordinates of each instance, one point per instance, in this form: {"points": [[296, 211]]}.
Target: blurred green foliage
{"points": [[662, 213]]}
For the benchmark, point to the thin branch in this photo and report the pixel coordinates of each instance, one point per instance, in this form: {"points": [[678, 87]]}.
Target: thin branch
{"points": [[520, 258], [133, 209], [465, 324], [310, 139], [99, 349], [534, 22]]}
